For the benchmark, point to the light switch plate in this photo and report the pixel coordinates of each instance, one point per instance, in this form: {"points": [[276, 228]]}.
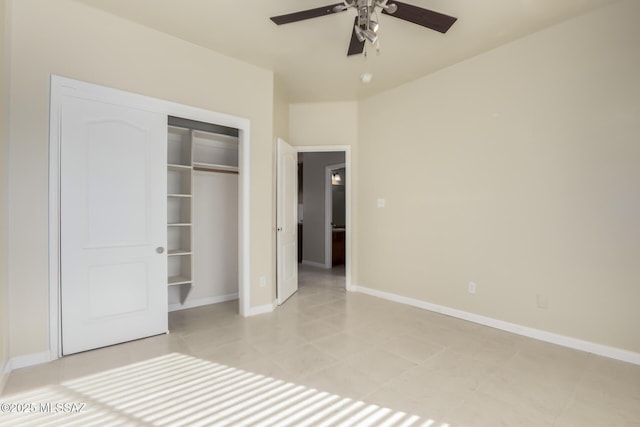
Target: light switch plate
{"points": [[381, 203]]}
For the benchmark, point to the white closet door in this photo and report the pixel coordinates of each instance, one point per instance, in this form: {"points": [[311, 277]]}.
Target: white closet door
{"points": [[287, 213], [113, 224]]}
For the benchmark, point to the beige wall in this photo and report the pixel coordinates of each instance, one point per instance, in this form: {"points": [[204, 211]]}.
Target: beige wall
{"points": [[72, 40], [328, 123], [4, 139], [518, 170], [280, 110]]}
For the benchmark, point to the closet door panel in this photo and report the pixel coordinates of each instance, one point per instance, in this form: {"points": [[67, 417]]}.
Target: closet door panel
{"points": [[113, 224], [287, 219], [116, 202]]}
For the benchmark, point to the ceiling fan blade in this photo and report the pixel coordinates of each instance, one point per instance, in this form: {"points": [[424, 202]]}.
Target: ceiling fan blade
{"points": [[424, 17], [356, 46], [305, 14]]}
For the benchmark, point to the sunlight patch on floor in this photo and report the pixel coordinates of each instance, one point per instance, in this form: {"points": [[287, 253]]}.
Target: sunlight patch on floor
{"points": [[181, 390]]}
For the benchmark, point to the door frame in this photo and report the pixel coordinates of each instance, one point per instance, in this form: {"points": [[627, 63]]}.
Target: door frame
{"points": [[348, 202], [63, 86], [328, 212]]}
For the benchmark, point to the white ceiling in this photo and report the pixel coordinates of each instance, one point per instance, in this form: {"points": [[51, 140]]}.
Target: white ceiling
{"points": [[309, 57]]}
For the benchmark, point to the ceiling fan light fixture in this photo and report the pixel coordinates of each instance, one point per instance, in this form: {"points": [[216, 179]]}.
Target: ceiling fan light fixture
{"points": [[390, 8], [358, 32], [370, 35], [363, 35]]}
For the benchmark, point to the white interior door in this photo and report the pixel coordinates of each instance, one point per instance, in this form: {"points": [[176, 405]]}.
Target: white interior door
{"points": [[287, 213], [113, 214]]}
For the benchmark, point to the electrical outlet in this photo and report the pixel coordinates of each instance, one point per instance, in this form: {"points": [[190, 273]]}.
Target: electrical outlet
{"points": [[472, 288], [543, 301], [263, 281]]}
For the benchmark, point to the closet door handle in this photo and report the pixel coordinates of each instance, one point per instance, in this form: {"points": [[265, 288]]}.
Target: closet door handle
{"points": [[279, 228], [160, 249]]}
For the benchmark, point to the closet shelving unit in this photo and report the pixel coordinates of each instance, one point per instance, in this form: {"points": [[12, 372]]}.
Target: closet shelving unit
{"points": [[191, 150], [179, 205], [214, 152]]}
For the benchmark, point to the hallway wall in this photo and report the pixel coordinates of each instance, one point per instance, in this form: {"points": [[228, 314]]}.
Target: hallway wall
{"points": [[314, 187]]}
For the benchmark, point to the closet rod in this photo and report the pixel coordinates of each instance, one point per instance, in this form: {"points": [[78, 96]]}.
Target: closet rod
{"points": [[206, 127], [215, 170]]}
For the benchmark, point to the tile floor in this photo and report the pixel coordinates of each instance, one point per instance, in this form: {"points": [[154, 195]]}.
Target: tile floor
{"points": [[447, 371]]}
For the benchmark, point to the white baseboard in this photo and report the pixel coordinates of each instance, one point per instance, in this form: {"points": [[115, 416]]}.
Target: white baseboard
{"points": [[262, 309], [29, 360], [5, 370], [315, 264], [202, 301], [565, 341]]}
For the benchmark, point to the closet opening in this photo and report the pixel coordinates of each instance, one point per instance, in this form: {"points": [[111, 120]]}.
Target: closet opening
{"points": [[202, 213]]}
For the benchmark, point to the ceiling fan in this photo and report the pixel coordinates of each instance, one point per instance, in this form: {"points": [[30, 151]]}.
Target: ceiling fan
{"points": [[366, 26]]}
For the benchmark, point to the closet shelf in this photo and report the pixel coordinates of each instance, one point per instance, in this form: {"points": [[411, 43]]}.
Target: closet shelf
{"points": [[178, 280], [179, 195], [178, 252], [214, 167], [177, 167]]}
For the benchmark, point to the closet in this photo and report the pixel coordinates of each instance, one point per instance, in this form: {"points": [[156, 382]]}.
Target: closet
{"points": [[202, 213], [146, 209]]}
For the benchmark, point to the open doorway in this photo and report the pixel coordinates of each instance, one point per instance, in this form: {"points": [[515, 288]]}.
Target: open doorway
{"points": [[322, 210], [302, 216]]}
